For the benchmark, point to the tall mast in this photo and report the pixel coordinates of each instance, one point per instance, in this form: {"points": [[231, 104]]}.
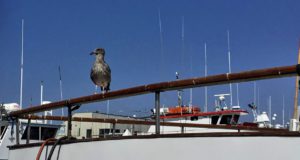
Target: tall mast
{"points": [[258, 100], [254, 93], [107, 108], [42, 91], [229, 65], [60, 87], [22, 52], [179, 97], [283, 108], [270, 108], [205, 73], [237, 94], [161, 43], [295, 115]]}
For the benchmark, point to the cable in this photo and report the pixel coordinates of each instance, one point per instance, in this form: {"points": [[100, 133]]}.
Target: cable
{"points": [[46, 154], [42, 147], [55, 144], [58, 152]]}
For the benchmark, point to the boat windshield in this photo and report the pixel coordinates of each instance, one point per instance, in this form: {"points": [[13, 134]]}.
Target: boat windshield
{"points": [[229, 119]]}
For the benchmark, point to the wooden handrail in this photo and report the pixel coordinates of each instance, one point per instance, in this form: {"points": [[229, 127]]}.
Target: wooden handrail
{"points": [[268, 73]]}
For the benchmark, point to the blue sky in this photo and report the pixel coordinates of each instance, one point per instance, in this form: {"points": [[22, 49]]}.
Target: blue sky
{"points": [[262, 34]]}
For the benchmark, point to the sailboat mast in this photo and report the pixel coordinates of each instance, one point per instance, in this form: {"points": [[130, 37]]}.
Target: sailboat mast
{"points": [[22, 52], [161, 44], [283, 108], [270, 108], [229, 65], [60, 87], [42, 91], [237, 94], [254, 93], [295, 115], [205, 72]]}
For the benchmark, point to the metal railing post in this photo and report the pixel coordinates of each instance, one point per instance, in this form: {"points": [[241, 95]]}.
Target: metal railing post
{"points": [[17, 131], [69, 133], [28, 131], [157, 114], [114, 129]]}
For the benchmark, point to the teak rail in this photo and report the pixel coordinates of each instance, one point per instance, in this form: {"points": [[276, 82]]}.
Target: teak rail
{"points": [[275, 72]]}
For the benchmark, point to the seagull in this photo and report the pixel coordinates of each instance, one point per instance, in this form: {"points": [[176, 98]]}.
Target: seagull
{"points": [[100, 72]]}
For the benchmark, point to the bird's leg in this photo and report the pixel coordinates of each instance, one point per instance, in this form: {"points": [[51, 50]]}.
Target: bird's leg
{"points": [[96, 87]]}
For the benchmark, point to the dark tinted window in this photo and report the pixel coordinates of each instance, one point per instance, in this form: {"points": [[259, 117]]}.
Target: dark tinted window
{"points": [[46, 133], [214, 119], [195, 118], [235, 119], [226, 119]]}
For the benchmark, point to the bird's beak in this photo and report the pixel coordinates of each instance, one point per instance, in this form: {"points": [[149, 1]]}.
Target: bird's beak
{"points": [[92, 53]]}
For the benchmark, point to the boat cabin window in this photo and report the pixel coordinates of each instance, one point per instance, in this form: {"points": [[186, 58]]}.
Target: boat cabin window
{"points": [[214, 119], [102, 132], [107, 131], [235, 119], [46, 133], [226, 119]]}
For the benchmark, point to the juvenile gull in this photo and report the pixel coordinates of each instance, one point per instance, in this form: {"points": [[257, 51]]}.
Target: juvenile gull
{"points": [[100, 72]]}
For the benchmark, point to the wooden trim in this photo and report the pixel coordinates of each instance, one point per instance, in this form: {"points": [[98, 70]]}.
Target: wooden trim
{"points": [[259, 74], [186, 135]]}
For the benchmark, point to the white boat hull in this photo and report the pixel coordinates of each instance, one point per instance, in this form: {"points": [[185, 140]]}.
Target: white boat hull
{"points": [[180, 148]]}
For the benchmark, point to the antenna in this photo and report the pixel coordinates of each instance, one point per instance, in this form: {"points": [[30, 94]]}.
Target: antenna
{"points": [[42, 90], [229, 66], [60, 87], [22, 52], [205, 73]]}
